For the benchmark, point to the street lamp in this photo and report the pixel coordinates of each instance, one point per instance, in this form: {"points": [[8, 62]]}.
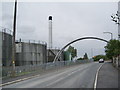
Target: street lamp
{"points": [[116, 18], [109, 33]]}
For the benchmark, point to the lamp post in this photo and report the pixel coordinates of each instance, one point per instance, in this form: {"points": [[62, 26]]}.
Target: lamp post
{"points": [[109, 33]]}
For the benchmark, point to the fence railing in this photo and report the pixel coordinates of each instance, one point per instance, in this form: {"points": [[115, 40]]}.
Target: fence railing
{"points": [[32, 41], [6, 30], [20, 70]]}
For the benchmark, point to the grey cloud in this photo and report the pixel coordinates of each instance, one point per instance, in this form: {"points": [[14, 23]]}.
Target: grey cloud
{"points": [[26, 29]]}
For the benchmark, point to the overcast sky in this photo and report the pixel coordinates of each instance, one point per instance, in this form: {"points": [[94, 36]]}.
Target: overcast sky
{"points": [[71, 20]]}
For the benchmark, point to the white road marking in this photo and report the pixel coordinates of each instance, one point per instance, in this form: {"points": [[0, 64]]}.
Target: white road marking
{"points": [[96, 77]]}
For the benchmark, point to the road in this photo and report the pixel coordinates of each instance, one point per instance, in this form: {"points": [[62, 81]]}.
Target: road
{"points": [[79, 76]]}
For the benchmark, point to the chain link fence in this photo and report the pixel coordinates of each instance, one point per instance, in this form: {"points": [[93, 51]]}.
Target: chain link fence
{"points": [[22, 70]]}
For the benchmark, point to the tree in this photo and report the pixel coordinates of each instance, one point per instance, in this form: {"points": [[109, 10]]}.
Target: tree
{"points": [[72, 50], [85, 56], [98, 57], [112, 48]]}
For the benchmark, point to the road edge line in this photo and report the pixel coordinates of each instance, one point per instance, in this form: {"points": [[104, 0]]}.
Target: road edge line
{"points": [[96, 77]]}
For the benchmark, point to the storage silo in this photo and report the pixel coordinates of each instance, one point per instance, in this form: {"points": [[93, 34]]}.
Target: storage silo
{"points": [[67, 56], [30, 53], [6, 47]]}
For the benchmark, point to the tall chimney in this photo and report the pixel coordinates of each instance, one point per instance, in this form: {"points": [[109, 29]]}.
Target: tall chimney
{"points": [[50, 32]]}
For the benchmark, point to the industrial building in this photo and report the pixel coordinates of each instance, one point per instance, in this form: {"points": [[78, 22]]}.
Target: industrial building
{"points": [[30, 53], [27, 53], [5, 47]]}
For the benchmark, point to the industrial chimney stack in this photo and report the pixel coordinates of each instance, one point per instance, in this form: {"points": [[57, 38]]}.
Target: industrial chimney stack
{"points": [[50, 32]]}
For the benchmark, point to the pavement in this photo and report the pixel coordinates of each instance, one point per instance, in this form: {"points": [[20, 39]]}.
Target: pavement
{"points": [[108, 76]]}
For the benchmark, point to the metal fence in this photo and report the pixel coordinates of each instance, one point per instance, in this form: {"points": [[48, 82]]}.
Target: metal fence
{"points": [[32, 41], [21, 70], [6, 30]]}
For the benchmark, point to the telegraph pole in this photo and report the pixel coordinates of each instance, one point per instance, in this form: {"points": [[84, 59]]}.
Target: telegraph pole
{"points": [[13, 39]]}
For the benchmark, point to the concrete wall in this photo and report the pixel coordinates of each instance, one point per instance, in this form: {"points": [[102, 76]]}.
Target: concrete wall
{"points": [[116, 62], [30, 53]]}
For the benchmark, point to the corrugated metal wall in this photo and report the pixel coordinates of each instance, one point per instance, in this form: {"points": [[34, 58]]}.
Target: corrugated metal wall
{"points": [[30, 53], [6, 49]]}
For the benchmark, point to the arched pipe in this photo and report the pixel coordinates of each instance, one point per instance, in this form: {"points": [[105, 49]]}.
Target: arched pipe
{"points": [[59, 53]]}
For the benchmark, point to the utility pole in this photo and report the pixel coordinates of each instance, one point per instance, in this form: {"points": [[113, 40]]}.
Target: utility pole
{"points": [[13, 39]]}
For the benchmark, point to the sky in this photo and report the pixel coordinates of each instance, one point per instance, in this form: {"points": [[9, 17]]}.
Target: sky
{"points": [[71, 20]]}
